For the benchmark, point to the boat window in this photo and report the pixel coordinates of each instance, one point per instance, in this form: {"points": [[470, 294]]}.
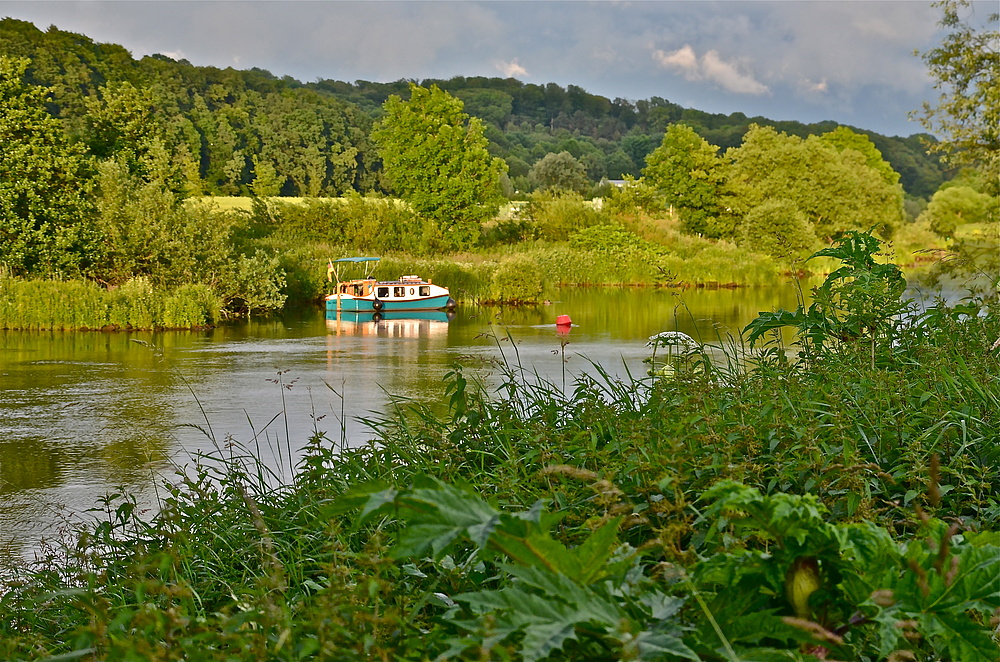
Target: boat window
{"points": [[383, 292], [399, 291], [411, 291], [425, 290]]}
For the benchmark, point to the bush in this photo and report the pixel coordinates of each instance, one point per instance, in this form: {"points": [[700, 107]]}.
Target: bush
{"points": [[254, 283], [190, 306], [369, 224], [555, 215], [779, 229], [517, 279]]}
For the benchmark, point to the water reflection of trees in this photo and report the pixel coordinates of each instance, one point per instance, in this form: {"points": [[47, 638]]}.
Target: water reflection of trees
{"points": [[81, 403]]}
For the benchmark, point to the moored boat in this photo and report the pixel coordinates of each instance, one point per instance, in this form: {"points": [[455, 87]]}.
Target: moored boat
{"points": [[370, 295]]}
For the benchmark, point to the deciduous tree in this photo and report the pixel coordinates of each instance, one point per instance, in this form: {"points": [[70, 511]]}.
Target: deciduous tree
{"points": [[44, 208], [836, 190], [954, 206], [843, 138], [966, 71], [560, 171], [436, 158], [778, 228], [686, 172]]}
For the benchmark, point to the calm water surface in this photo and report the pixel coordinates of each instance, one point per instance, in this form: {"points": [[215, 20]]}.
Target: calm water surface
{"points": [[82, 413]]}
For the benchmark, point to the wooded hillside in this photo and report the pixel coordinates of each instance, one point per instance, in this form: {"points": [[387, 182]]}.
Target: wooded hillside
{"points": [[227, 128]]}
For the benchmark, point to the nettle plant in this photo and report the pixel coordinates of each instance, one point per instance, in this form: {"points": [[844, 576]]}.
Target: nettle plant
{"points": [[859, 303], [772, 579]]}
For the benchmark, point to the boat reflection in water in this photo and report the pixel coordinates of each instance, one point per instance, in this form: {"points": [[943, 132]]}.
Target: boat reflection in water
{"points": [[403, 324]]}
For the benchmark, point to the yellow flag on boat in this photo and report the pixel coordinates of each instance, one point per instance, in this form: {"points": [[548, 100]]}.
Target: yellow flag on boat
{"points": [[329, 271]]}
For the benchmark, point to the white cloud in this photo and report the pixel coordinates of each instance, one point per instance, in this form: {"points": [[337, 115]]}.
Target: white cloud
{"points": [[728, 75], [812, 86], [512, 69], [683, 61]]}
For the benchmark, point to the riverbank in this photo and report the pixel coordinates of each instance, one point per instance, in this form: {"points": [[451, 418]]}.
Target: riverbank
{"points": [[36, 305], [595, 522], [273, 253]]}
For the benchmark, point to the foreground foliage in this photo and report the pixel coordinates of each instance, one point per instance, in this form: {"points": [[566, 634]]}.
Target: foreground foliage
{"points": [[834, 508]]}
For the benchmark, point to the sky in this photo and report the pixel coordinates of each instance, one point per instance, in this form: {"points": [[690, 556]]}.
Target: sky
{"points": [[850, 61]]}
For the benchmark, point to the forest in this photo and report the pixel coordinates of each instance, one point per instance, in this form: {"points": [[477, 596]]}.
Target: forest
{"points": [[222, 124]]}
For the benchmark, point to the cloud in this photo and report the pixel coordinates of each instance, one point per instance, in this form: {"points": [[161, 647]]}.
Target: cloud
{"points": [[812, 86], [512, 69], [710, 67], [683, 60]]}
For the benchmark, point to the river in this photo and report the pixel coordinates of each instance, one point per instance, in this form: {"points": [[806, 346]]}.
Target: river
{"points": [[85, 413]]}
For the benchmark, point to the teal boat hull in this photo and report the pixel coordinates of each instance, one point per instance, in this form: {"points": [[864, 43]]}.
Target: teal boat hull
{"points": [[365, 305]]}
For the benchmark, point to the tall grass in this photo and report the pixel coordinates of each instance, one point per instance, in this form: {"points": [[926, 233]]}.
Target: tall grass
{"points": [[80, 304]]}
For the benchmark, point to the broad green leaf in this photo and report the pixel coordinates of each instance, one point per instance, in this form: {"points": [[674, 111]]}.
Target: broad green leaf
{"points": [[769, 321], [416, 539], [955, 634], [658, 645], [592, 555]]}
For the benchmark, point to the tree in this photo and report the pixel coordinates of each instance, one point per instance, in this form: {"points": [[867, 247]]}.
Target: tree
{"points": [[836, 190], [688, 174], [560, 171], [957, 205], [778, 228], [966, 70], [44, 206], [843, 138], [146, 231], [436, 158]]}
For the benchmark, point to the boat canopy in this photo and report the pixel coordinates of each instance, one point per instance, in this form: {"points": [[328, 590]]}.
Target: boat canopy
{"points": [[332, 271]]}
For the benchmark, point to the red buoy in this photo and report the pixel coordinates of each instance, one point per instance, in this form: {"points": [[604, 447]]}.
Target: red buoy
{"points": [[563, 320]]}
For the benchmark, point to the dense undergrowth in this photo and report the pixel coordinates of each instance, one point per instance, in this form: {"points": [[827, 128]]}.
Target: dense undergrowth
{"points": [[841, 505]]}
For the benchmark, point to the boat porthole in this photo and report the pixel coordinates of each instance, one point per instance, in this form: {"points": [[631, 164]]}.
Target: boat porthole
{"points": [[411, 291]]}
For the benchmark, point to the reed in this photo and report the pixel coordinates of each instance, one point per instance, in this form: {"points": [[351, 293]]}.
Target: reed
{"points": [[80, 304]]}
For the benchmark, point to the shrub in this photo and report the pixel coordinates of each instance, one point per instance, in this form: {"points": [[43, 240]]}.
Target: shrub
{"points": [[254, 283], [517, 279], [555, 215], [779, 229], [190, 306]]}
